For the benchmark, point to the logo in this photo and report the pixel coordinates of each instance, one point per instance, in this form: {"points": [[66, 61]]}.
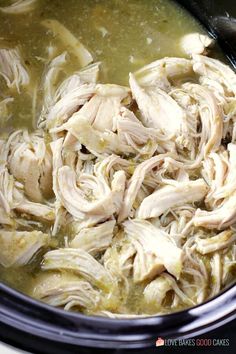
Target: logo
{"points": [[191, 342], [160, 342]]}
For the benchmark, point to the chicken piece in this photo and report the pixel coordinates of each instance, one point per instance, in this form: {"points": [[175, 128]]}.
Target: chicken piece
{"points": [[94, 197], [229, 131], [95, 123], [19, 7], [216, 71], [228, 265], [68, 39], [68, 104], [118, 258], [6, 194], [162, 73], [5, 115], [189, 105], [42, 212], [53, 70], [195, 279], [109, 165], [87, 75], [155, 251], [67, 291], [12, 68], [61, 158], [5, 218], [158, 109], [196, 43], [101, 110], [132, 132], [136, 181], [30, 163], [114, 315], [80, 262], [216, 173], [146, 265], [155, 292], [49, 81], [91, 197], [126, 257], [5, 209], [229, 179], [171, 196], [118, 185], [211, 116], [18, 247], [90, 73], [219, 218], [215, 243], [94, 239], [95, 141], [186, 144], [185, 299], [216, 274], [57, 163]]}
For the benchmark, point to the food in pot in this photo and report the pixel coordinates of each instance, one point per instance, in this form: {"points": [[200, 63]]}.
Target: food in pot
{"points": [[117, 171]]}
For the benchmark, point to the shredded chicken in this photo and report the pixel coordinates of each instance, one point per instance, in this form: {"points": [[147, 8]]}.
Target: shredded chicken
{"points": [[6, 196], [215, 243], [12, 68], [158, 109], [155, 292], [196, 43], [94, 239], [153, 244], [67, 291], [30, 162], [61, 101], [43, 212], [68, 104], [219, 218], [50, 78], [162, 73], [18, 247], [5, 115], [215, 70], [170, 196], [123, 196], [80, 262], [102, 108], [70, 41], [19, 7]]}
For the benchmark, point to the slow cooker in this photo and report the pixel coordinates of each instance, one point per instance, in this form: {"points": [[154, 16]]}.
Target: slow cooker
{"points": [[28, 324]]}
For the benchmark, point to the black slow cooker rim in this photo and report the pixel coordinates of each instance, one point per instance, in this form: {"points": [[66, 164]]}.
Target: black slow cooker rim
{"points": [[27, 315]]}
